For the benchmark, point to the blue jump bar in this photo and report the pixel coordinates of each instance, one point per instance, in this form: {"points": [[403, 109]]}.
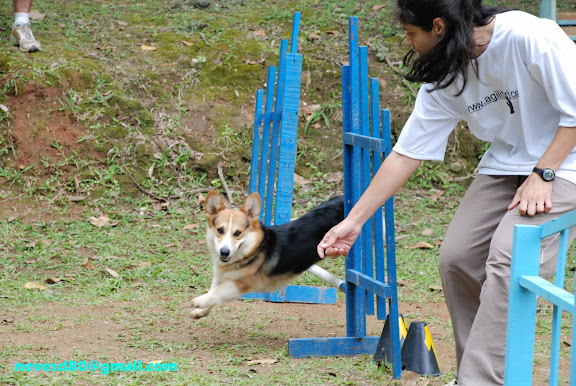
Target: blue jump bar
{"points": [[368, 283], [549, 291], [359, 140]]}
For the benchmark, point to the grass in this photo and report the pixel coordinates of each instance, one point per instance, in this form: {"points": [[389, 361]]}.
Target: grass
{"points": [[167, 118]]}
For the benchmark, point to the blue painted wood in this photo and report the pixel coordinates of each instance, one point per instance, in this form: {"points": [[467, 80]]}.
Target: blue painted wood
{"points": [[548, 9], [319, 347], [274, 142], [367, 282], [296, 294], [274, 154], [256, 141], [265, 145], [363, 147], [391, 257], [525, 287], [295, 32], [367, 262], [548, 291], [557, 311], [376, 160], [289, 130], [521, 307], [364, 142], [559, 224]]}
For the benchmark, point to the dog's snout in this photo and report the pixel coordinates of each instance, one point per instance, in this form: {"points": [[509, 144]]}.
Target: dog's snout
{"points": [[225, 252]]}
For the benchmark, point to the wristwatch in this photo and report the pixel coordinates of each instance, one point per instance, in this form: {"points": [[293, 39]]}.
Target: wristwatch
{"points": [[546, 174]]}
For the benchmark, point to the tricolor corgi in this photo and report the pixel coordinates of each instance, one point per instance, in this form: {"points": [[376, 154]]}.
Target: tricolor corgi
{"points": [[250, 257]]}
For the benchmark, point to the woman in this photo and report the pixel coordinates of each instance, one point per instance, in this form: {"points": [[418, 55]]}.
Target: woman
{"points": [[511, 77]]}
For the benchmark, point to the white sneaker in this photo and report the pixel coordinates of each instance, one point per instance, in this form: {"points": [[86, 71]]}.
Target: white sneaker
{"points": [[452, 383], [23, 37]]}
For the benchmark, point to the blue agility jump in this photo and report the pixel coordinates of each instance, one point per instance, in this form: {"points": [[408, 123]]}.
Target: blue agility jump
{"points": [[525, 287], [274, 157], [371, 263]]}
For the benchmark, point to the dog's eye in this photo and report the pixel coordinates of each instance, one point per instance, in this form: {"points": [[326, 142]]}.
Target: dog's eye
{"points": [[221, 231], [237, 234]]}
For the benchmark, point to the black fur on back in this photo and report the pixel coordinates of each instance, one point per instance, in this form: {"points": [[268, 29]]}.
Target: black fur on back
{"points": [[296, 241]]}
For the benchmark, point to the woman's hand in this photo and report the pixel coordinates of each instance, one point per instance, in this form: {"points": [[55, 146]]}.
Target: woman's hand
{"points": [[533, 196], [339, 239]]}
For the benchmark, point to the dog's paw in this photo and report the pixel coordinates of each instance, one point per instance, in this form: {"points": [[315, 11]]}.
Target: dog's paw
{"points": [[203, 301], [200, 313]]}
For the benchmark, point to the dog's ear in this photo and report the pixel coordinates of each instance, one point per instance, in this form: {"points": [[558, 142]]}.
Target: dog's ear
{"points": [[213, 203], [252, 205]]}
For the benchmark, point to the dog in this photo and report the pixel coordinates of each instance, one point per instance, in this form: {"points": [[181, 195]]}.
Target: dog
{"points": [[250, 257]]}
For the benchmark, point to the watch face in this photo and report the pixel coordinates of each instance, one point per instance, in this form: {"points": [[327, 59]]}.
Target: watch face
{"points": [[548, 174]]}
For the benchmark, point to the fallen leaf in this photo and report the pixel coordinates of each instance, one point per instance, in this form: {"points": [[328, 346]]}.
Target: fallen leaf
{"points": [[438, 243], [77, 183], [31, 245], [334, 177], [4, 108], [313, 36], [102, 221], [35, 15], [151, 171], [421, 245], [262, 362], [402, 283], [188, 43], [34, 285], [259, 33], [112, 272], [8, 319], [11, 219], [200, 199], [144, 47], [190, 226], [427, 232], [88, 264], [138, 283], [335, 33], [300, 180], [202, 242], [158, 156], [53, 280], [378, 7], [76, 198]]}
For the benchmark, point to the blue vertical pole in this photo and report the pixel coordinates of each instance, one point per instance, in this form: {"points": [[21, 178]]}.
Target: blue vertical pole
{"points": [[256, 142], [278, 108], [366, 176], [288, 135], [521, 325], [378, 223], [391, 257], [295, 32], [356, 251], [263, 169]]}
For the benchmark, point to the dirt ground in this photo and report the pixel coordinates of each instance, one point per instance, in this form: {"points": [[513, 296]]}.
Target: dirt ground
{"points": [[98, 335]]}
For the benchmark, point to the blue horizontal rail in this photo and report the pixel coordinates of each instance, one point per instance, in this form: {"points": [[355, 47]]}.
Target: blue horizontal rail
{"points": [[366, 282], [365, 142], [549, 291], [558, 224]]}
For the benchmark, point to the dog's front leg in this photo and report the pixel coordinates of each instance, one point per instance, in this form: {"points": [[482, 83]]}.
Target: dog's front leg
{"points": [[202, 312], [222, 293]]}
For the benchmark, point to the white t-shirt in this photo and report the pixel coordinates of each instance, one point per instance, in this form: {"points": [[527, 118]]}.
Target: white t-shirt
{"points": [[526, 88]]}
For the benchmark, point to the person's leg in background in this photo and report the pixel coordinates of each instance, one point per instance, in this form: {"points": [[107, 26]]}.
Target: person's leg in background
{"points": [[22, 35]]}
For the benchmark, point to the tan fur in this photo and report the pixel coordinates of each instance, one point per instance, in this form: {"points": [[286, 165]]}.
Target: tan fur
{"points": [[238, 231]]}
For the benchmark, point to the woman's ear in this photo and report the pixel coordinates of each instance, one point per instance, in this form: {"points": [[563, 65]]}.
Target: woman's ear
{"points": [[439, 26]]}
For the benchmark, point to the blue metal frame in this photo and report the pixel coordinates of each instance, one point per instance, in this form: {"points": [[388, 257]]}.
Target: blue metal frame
{"points": [[366, 135], [525, 287]]}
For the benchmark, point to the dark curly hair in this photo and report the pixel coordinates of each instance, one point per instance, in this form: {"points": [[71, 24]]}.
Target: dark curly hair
{"points": [[452, 54]]}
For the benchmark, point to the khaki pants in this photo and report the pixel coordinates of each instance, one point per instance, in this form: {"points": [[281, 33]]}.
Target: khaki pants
{"points": [[475, 270]]}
